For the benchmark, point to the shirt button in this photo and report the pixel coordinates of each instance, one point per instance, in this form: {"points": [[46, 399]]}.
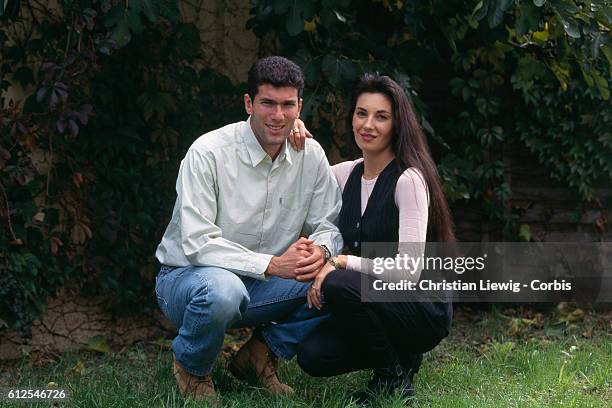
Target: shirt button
{"points": [[356, 244], [357, 226]]}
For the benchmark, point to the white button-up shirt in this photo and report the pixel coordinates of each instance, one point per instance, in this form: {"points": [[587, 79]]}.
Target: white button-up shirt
{"points": [[236, 208]]}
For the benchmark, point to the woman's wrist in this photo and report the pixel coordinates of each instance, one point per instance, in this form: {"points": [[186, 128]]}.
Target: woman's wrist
{"points": [[339, 261], [342, 260]]}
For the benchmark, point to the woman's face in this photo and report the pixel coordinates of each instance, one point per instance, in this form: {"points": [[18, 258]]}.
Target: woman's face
{"points": [[373, 122]]}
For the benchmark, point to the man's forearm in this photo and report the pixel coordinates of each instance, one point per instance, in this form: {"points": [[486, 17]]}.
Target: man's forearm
{"points": [[229, 255], [272, 269]]}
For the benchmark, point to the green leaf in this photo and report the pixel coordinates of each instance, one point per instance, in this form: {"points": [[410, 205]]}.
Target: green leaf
{"points": [[294, 22], [528, 19], [348, 70], [497, 132], [565, 11], [607, 50], [156, 104], [587, 77], [529, 69], [564, 6], [113, 16], [524, 232], [328, 18], [152, 9], [146, 7], [481, 10], [168, 10], [570, 25], [496, 15], [562, 72], [564, 49], [311, 73], [121, 33], [340, 17], [601, 83], [329, 67], [9, 9], [280, 6], [338, 70], [604, 16], [308, 10], [99, 344], [135, 22]]}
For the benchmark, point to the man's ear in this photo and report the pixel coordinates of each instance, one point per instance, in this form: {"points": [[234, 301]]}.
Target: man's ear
{"points": [[248, 104], [300, 106]]}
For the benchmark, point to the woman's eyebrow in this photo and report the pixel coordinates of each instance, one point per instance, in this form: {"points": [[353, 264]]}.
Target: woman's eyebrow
{"points": [[359, 108]]}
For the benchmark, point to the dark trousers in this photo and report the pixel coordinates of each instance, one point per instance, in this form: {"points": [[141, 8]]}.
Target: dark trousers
{"points": [[364, 335]]}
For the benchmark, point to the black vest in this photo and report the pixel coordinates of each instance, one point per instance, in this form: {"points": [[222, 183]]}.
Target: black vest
{"points": [[380, 220], [380, 223]]}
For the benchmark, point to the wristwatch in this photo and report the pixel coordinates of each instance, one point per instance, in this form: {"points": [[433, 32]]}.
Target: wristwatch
{"points": [[326, 252], [335, 262]]}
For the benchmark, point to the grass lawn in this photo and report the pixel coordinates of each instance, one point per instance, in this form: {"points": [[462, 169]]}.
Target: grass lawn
{"points": [[506, 357]]}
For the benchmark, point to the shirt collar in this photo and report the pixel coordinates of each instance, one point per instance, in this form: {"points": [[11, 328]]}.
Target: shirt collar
{"points": [[256, 153], [285, 153]]}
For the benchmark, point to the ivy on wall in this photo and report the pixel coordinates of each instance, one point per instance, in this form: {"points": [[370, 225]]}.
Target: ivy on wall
{"points": [[484, 76], [88, 159]]}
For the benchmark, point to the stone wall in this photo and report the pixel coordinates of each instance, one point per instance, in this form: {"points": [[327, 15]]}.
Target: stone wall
{"points": [[72, 322], [228, 47]]}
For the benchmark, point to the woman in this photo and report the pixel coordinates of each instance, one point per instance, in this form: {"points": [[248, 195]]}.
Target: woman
{"points": [[393, 194]]}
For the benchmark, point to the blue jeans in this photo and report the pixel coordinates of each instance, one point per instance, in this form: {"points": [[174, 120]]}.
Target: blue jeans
{"points": [[205, 301]]}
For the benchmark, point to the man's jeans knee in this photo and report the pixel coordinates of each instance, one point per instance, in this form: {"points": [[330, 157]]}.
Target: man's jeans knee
{"points": [[202, 302], [280, 306]]}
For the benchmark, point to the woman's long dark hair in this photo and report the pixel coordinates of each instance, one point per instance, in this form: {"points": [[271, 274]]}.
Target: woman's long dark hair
{"points": [[411, 149]]}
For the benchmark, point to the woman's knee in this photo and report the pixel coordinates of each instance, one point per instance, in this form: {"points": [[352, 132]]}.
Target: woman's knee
{"points": [[332, 284], [308, 358], [341, 285]]}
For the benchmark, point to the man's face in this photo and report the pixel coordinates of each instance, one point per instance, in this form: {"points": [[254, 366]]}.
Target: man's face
{"points": [[273, 111]]}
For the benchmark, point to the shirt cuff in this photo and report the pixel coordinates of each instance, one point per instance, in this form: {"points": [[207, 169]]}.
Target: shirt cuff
{"points": [[252, 265], [333, 242], [353, 263], [261, 262]]}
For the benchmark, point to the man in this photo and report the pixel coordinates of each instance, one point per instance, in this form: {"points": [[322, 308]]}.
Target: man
{"points": [[229, 253]]}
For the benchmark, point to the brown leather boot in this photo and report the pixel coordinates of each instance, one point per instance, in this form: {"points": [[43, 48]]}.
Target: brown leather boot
{"points": [[257, 365], [200, 389]]}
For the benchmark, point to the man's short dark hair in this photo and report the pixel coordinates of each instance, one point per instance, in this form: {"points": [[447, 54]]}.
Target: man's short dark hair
{"points": [[276, 71]]}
